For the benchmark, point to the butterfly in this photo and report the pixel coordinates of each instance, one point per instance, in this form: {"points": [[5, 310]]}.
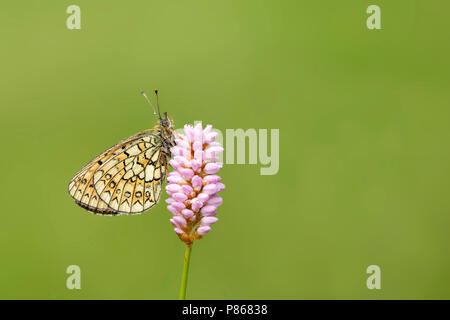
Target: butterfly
{"points": [[127, 178]]}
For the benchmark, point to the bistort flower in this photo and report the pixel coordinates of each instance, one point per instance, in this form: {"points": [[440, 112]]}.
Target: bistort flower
{"points": [[194, 184]]}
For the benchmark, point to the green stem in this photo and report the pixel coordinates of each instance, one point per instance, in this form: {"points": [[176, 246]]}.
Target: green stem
{"points": [[187, 258]]}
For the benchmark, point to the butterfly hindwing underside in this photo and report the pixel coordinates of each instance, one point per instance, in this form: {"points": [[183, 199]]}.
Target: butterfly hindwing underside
{"points": [[125, 179]]}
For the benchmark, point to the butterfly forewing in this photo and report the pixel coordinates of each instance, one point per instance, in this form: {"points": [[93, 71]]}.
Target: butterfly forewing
{"points": [[126, 178]]}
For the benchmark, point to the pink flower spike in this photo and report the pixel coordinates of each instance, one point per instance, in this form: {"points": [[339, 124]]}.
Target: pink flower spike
{"points": [[197, 146], [172, 209], [186, 173], [182, 143], [198, 133], [207, 221], [212, 168], [179, 196], [216, 200], [187, 189], [172, 187], [178, 231], [196, 205], [214, 144], [210, 137], [187, 213], [181, 160], [203, 230], [209, 214], [175, 179], [208, 209], [203, 197], [215, 149], [213, 153], [197, 182], [189, 131], [174, 164], [178, 205], [212, 179], [207, 129], [210, 189], [179, 220], [196, 165], [199, 155], [178, 151], [193, 186], [220, 187]]}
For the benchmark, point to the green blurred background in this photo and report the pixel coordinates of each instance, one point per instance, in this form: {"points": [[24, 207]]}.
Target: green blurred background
{"points": [[364, 161]]}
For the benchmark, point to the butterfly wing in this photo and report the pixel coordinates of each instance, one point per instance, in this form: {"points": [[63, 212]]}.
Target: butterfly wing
{"points": [[126, 178], [131, 181]]}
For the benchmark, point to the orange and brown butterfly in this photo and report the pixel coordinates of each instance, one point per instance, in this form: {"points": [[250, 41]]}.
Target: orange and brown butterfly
{"points": [[127, 178]]}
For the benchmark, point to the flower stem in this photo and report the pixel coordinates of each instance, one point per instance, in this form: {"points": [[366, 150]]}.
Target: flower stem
{"points": [[184, 277]]}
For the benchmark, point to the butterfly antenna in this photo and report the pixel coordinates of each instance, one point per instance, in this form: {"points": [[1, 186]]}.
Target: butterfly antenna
{"points": [[157, 102], [148, 100]]}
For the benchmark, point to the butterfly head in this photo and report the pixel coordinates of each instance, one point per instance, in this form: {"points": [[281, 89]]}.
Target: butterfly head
{"points": [[166, 122], [167, 134]]}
